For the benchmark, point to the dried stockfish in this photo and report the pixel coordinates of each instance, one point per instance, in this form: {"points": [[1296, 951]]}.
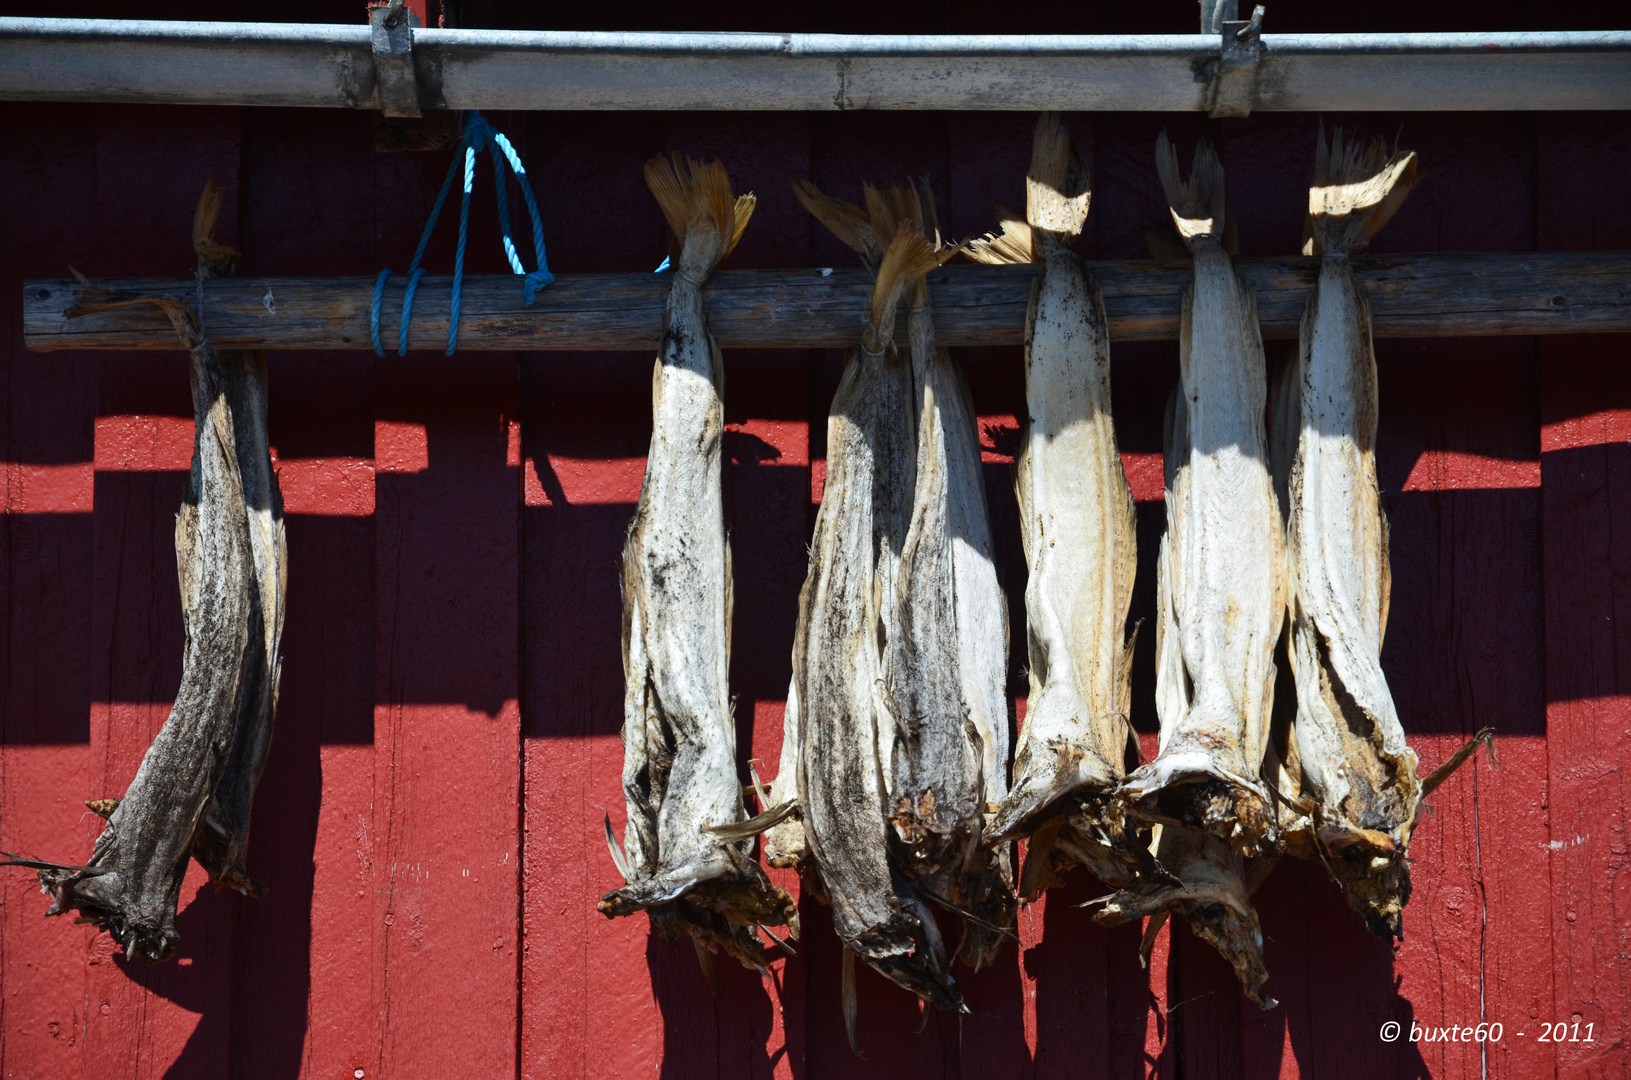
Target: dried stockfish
{"points": [[1353, 760], [194, 790], [1220, 602], [946, 665], [221, 842], [840, 728], [1077, 522], [679, 738], [1221, 561]]}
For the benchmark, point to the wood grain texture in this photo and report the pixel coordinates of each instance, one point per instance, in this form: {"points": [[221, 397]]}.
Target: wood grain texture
{"points": [[1454, 295]]}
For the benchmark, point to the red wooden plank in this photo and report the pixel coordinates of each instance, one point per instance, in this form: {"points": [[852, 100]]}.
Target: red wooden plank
{"points": [[1583, 165], [588, 1007], [306, 948], [45, 432], [446, 720]]}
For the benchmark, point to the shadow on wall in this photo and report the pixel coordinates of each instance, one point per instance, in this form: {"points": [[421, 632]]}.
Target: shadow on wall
{"points": [[1095, 1012]]}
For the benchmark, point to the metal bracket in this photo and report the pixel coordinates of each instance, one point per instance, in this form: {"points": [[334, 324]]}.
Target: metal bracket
{"points": [[1234, 90], [394, 77]]}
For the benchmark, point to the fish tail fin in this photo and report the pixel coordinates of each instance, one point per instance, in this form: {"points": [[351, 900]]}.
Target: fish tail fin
{"points": [[909, 257], [1357, 188], [695, 198], [845, 220], [741, 212], [1013, 244], [1198, 206], [1058, 186]]}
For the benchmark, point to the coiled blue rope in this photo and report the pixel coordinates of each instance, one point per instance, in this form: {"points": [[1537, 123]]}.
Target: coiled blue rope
{"points": [[478, 135]]}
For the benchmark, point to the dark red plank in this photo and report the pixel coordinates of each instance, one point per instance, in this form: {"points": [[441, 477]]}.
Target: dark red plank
{"points": [[1584, 173], [46, 426]]}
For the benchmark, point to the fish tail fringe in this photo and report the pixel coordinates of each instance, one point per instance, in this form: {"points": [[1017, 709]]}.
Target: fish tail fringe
{"points": [[1058, 187], [1357, 188], [1011, 245], [695, 197], [1198, 206], [845, 220], [909, 257]]}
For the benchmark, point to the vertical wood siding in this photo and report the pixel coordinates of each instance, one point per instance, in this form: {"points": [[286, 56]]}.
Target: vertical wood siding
{"points": [[447, 740]]}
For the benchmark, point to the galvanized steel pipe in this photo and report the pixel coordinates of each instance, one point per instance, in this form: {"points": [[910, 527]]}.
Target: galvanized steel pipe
{"points": [[322, 65]]}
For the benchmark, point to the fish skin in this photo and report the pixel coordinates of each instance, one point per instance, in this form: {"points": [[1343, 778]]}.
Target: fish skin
{"points": [[133, 879], [680, 776], [1350, 743], [1208, 889], [839, 730]]}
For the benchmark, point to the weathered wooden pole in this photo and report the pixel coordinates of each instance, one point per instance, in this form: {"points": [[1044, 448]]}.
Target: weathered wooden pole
{"points": [[1439, 295]]}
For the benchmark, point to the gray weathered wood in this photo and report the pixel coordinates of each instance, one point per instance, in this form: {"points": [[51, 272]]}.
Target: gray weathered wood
{"points": [[1459, 295]]}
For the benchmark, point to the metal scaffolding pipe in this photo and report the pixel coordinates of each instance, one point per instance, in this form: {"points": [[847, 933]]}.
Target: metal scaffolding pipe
{"points": [[321, 65]]}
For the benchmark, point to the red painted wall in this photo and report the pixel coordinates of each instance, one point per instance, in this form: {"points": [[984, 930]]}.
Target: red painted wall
{"points": [[429, 822]]}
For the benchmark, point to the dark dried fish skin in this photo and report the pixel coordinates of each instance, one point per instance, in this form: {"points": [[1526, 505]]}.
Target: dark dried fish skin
{"points": [[844, 628], [680, 777], [947, 665], [1211, 896], [221, 842], [132, 882]]}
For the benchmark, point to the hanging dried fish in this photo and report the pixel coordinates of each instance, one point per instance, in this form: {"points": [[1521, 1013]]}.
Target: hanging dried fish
{"points": [[947, 665], [195, 788], [842, 728], [1351, 747], [221, 842], [1222, 557], [682, 857], [1220, 602], [1077, 522]]}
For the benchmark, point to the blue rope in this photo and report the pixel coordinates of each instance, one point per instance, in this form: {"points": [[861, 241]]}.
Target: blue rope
{"points": [[478, 135]]}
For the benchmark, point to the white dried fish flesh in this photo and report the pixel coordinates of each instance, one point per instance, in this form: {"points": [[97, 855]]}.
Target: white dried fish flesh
{"points": [[1219, 603], [1222, 559], [1351, 747], [1077, 523]]}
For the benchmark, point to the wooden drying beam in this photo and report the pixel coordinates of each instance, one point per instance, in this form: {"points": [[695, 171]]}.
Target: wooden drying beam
{"points": [[1412, 296]]}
